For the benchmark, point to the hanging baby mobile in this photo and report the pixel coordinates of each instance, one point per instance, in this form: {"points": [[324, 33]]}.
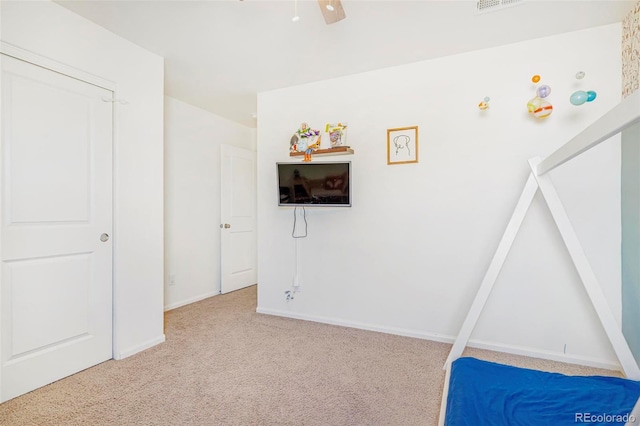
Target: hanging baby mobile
{"points": [[484, 104], [305, 140], [539, 105], [579, 97]]}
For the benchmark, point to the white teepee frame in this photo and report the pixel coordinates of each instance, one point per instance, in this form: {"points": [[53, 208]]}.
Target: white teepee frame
{"points": [[625, 114]]}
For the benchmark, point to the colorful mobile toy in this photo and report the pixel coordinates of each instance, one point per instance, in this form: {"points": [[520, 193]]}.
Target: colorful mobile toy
{"points": [[539, 106], [580, 97], [484, 104]]}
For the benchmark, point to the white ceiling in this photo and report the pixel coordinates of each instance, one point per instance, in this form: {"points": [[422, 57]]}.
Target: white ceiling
{"points": [[220, 53]]}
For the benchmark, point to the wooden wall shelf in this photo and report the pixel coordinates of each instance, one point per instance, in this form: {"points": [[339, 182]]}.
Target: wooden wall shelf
{"points": [[341, 150]]}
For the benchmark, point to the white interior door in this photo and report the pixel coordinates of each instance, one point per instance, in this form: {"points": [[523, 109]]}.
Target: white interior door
{"points": [[238, 228], [56, 202]]}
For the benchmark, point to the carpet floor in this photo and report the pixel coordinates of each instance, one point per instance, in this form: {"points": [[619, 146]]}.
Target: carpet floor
{"points": [[224, 364]]}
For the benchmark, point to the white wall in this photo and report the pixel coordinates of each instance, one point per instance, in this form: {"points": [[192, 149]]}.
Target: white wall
{"points": [[192, 198], [409, 255], [49, 30]]}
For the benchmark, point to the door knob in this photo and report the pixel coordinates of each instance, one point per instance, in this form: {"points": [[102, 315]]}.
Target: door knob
{"points": [[226, 226], [104, 238]]}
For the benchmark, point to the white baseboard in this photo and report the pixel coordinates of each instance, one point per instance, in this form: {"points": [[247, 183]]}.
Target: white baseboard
{"points": [[542, 354], [359, 325], [146, 345], [190, 300], [497, 347]]}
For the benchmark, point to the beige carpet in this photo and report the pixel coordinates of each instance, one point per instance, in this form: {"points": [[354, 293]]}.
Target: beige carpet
{"points": [[224, 364]]}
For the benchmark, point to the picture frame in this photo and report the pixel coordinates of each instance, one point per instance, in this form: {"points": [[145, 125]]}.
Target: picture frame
{"points": [[402, 145], [337, 134]]}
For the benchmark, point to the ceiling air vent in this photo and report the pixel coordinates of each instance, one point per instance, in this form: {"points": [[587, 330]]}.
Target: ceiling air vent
{"points": [[484, 6]]}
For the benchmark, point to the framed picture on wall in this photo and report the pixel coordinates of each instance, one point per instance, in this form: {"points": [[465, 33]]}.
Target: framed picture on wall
{"points": [[402, 145]]}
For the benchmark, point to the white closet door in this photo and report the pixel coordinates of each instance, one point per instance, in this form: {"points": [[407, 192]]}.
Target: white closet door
{"points": [[56, 194]]}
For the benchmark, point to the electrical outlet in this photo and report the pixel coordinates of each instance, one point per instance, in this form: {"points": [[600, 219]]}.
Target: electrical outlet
{"points": [[172, 279]]}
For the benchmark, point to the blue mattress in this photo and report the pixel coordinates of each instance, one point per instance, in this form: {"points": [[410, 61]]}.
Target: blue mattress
{"points": [[486, 393]]}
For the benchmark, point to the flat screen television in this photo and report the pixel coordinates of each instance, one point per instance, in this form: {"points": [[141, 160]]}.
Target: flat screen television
{"points": [[314, 184]]}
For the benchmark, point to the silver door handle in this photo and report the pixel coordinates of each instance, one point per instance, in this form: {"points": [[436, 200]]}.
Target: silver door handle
{"points": [[104, 237]]}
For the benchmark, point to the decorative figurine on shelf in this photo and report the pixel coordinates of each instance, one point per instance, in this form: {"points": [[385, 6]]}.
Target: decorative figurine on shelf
{"points": [[305, 140], [310, 149], [293, 145]]}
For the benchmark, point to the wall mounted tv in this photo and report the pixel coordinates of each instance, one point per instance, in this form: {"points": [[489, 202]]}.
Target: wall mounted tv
{"points": [[314, 184]]}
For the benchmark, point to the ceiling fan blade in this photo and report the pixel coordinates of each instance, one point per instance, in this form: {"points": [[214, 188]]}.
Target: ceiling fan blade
{"points": [[332, 16]]}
